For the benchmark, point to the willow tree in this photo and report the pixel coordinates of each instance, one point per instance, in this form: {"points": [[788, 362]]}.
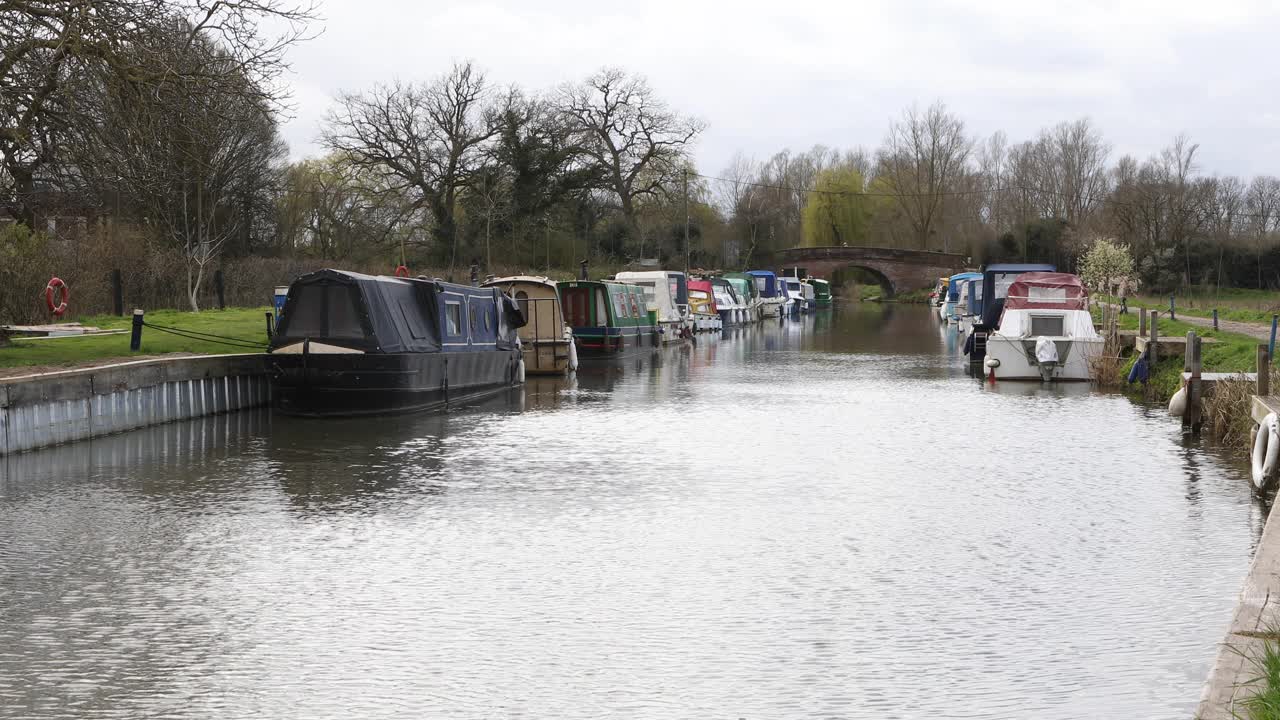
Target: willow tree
{"points": [[837, 211]]}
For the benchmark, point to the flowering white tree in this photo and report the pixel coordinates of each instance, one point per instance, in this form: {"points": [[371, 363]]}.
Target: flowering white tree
{"points": [[1107, 268]]}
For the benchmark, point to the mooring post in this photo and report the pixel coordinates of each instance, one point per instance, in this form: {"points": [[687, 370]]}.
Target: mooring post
{"points": [[1215, 319], [135, 339], [1153, 342], [1195, 386], [117, 293], [1188, 350], [1264, 371], [1172, 315], [270, 325], [1142, 322], [219, 287]]}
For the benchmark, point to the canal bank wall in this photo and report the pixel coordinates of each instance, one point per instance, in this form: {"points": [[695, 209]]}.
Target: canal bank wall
{"points": [[1235, 676], [53, 408]]}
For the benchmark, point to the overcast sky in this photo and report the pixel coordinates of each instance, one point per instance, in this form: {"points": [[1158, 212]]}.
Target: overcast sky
{"points": [[794, 73]]}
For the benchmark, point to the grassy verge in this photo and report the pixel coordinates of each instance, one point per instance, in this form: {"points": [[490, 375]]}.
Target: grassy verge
{"points": [[244, 324], [1241, 305], [1231, 353], [1265, 704]]}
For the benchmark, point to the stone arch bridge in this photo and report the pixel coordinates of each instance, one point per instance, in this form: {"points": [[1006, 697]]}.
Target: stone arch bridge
{"points": [[897, 270]]}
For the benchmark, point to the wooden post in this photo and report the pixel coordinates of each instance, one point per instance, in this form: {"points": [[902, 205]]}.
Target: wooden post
{"points": [[1142, 322], [1197, 388], [1264, 371], [1153, 343], [1191, 364]]}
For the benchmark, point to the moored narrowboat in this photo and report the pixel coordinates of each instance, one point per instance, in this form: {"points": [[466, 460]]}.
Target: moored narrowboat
{"points": [[745, 287], [607, 317], [667, 294], [769, 288], [821, 292], [354, 344], [702, 307], [546, 339]]}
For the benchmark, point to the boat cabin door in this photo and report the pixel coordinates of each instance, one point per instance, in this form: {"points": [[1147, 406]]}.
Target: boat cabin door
{"points": [[579, 304]]}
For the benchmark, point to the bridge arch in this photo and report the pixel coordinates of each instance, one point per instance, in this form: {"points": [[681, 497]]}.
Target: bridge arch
{"points": [[902, 270]]}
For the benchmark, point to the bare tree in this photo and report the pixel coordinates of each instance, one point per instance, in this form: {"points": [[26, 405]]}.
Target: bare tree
{"points": [[925, 154], [51, 46], [1263, 203], [427, 140], [635, 140]]}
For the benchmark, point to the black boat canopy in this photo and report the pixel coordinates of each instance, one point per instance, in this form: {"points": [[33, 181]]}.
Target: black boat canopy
{"points": [[393, 315]]}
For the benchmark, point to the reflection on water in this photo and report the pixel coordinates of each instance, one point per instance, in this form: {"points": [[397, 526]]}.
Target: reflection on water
{"points": [[821, 518]]}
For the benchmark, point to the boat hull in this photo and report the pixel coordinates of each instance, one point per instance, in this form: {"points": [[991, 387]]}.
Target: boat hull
{"points": [[596, 342], [1016, 363], [349, 384]]}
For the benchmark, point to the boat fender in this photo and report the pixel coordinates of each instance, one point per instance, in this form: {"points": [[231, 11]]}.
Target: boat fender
{"points": [[520, 370], [1266, 448], [573, 355], [993, 363], [1178, 403]]}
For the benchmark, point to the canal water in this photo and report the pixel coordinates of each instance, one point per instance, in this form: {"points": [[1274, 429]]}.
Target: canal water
{"points": [[818, 519]]}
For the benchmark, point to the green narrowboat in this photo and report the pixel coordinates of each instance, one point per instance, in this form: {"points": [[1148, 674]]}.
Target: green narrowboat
{"points": [[607, 317], [821, 291]]}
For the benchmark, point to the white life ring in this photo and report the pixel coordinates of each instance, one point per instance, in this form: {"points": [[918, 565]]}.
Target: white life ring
{"points": [[573, 355], [1266, 449]]}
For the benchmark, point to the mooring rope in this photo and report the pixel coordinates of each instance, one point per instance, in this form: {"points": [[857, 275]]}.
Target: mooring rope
{"points": [[207, 337]]}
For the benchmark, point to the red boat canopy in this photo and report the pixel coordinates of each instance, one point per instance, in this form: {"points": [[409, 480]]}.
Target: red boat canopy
{"points": [[1047, 291]]}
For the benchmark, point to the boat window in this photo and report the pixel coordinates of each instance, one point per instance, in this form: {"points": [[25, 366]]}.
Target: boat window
{"points": [[620, 305], [1046, 325], [602, 308], [635, 303], [344, 316], [453, 315], [471, 310], [486, 319], [522, 297]]}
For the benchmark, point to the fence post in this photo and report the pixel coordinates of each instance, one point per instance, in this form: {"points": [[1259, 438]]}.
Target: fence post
{"points": [[1264, 371], [117, 293], [1188, 350], [270, 325], [220, 288], [1271, 346], [1142, 322], [1172, 314], [135, 339], [1153, 342]]}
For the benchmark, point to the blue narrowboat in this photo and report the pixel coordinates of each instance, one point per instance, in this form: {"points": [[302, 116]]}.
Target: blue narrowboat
{"points": [[354, 344]]}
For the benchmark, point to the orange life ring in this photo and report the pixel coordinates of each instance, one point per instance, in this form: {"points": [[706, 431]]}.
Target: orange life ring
{"points": [[402, 271], [55, 285]]}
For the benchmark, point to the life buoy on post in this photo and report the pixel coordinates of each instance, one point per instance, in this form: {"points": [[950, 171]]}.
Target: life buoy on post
{"points": [[1266, 449], [57, 287], [402, 271]]}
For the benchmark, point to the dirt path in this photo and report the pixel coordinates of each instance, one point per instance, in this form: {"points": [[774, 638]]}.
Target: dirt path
{"points": [[1261, 332]]}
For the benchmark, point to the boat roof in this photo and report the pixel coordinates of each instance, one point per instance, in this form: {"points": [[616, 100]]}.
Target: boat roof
{"points": [[535, 279], [700, 285], [648, 274], [761, 273], [1047, 291]]}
